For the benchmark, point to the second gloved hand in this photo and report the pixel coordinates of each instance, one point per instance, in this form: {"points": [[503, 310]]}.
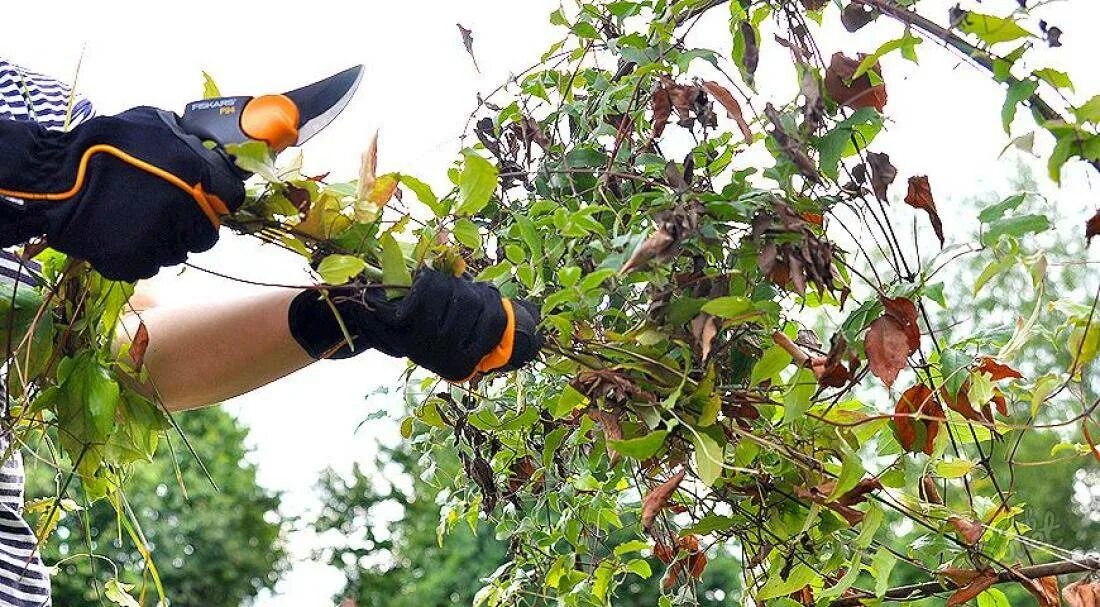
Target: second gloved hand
{"points": [[454, 327]]}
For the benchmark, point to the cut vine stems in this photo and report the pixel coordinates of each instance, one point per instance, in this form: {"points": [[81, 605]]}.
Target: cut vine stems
{"points": [[1087, 564]]}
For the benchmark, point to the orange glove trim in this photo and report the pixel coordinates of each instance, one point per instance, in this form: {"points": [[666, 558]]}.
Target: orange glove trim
{"points": [[211, 205], [502, 353]]}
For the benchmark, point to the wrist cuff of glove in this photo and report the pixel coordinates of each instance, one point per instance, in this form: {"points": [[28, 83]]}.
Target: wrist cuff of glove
{"points": [[313, 325], [500, 355]]}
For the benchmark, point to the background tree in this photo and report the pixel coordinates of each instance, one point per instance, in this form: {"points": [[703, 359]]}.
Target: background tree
{"points": [[213, 547]]}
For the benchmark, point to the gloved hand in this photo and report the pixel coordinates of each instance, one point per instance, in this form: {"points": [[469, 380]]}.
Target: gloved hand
{"points": [[454, 327], [129, 193]]}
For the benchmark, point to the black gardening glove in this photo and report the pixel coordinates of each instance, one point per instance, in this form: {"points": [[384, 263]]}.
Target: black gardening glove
{"points": [[454, 327], [129, 193]]}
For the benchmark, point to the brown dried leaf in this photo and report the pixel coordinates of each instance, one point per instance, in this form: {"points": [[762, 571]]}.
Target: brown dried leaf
{"points": [[814, 5], [905, 312], [855, 16], [920, 197], [658, 243], [664, 552], [138, 346], [887, 346], [752, 48], [661, 103], [855, 93], [792, 147], [612, 430], [1045, 589], [917, 400], [1082, 593], [369, 168], [733, 108], [697, 562], [928, 490], [704, 328], [656, 500], [672, 575], [960, 403], [858, 494], [468, 43], [883, 174], [969, 530], [986, 579], [1092, 228], [998, 370]]}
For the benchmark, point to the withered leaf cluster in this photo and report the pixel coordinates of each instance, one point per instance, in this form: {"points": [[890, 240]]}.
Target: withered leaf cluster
{"points": [[672, 227], [793, 262], [684, 559], [689, 101]]}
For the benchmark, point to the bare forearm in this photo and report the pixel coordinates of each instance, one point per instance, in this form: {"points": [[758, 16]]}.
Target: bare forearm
{"points": [[203, 354]]}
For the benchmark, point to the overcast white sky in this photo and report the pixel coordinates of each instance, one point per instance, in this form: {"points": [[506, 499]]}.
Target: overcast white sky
{"points": [[419, 87]]}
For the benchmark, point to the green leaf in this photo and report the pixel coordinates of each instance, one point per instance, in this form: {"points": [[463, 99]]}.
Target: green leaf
{"points": [[425, 195], [209, 87], [1055, 78], [992, 30], [906, 44], [338, 269], [711, 523], [596, 279], [881, 565], [953, 367], [1043, 388], [641, 448], [601, 581], [851, 471], [476, 184], [570, 399], [640, 568], [1089, 111], [466, 232], [774, 360], [955, 468], [631, 546], [846, 582], [118, 592], [734, 308], [568, 276], [994, 268], [997, 211], [1016, 226], [255, 157], [709, 457], [799, 577], [1018, 92], [1084, 343], [394, 271], [797, 401], [872, 520], [90, 384], [993, 597]]}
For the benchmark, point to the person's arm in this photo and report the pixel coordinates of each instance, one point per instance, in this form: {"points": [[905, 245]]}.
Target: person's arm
{"points": [[202, 355]]}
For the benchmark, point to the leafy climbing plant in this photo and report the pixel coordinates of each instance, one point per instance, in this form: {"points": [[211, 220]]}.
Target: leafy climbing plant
{"points": [[739, 352]]}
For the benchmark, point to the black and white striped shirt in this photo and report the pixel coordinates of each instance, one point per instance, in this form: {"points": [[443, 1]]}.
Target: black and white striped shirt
{"points": [[24, 581]]}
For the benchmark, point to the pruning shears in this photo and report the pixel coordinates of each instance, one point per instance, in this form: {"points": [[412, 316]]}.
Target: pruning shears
{"points": [[280, 121]]}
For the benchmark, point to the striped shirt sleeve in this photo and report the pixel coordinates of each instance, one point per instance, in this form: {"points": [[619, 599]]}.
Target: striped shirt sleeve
{"points": [[27, 95]]}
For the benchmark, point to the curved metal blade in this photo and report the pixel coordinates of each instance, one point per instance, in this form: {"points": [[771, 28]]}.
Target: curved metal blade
{"points": [[321, 102]]}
